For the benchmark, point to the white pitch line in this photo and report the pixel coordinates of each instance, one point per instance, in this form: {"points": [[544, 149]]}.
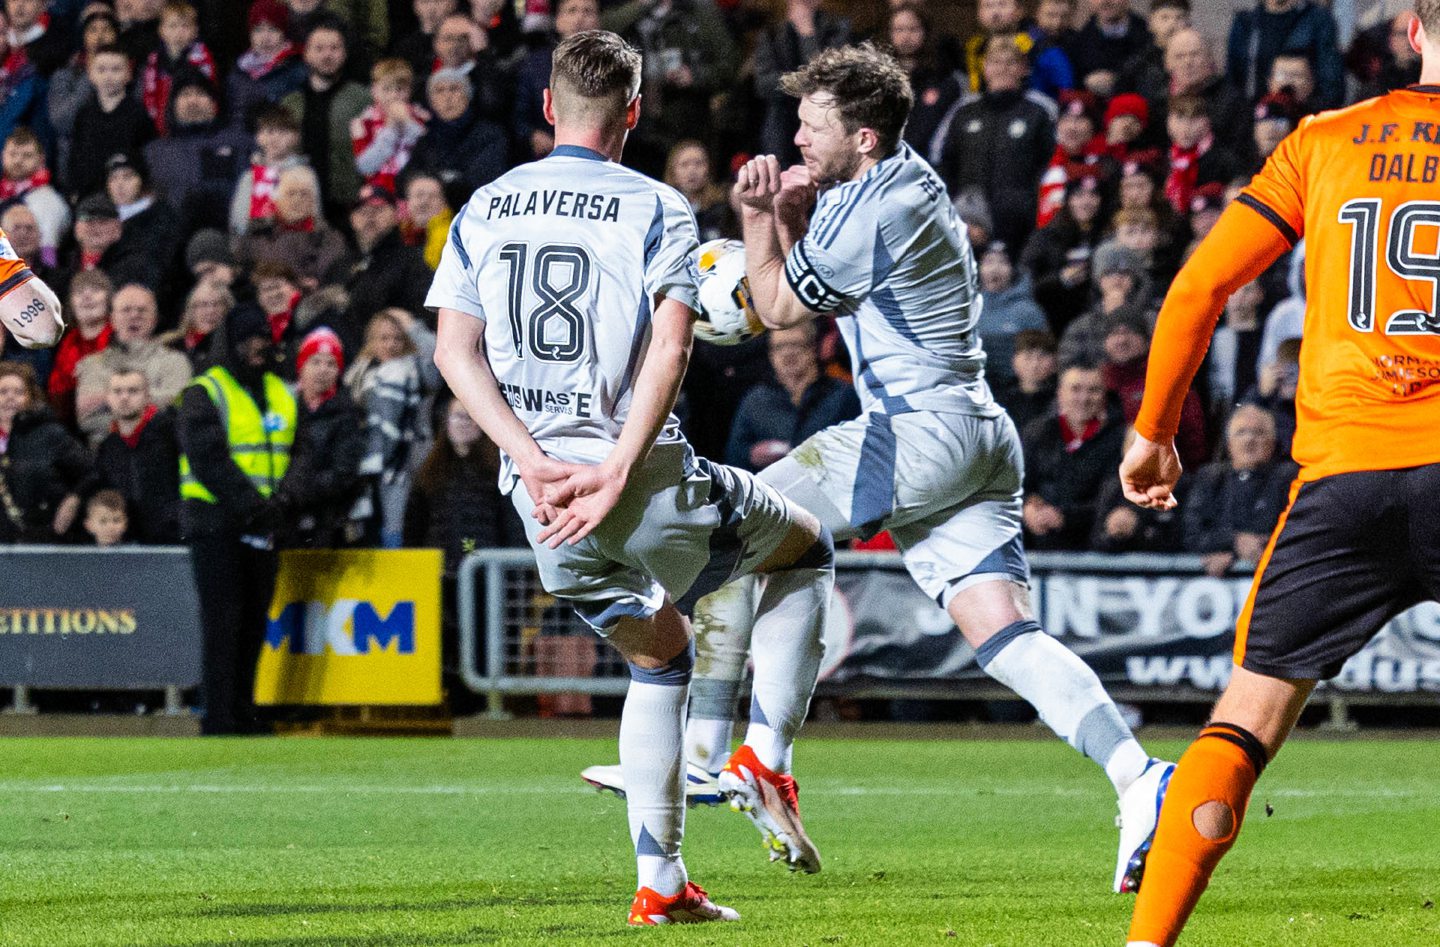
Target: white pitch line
{"points": [[818, 789]]}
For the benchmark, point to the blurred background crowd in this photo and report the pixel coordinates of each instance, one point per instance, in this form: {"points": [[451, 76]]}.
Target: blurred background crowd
{"points": [[270, 184]]}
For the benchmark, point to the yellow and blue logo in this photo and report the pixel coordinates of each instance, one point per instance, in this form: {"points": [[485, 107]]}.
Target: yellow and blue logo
{"points": [[351, 627]]}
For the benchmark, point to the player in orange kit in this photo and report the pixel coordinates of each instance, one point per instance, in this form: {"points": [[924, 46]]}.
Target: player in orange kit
{"points": [[1360, 539], [28, 308]]}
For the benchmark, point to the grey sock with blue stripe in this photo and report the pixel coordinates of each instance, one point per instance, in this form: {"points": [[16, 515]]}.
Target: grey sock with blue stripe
{"points": [[653, 765], [787, 648], [1068, 696]]}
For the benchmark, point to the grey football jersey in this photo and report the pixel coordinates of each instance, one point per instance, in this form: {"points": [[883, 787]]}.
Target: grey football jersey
{"points": [[563, 259], [888, 256]]}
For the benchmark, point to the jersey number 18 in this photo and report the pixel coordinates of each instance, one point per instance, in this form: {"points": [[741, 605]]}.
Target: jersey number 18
{"points": [[554, 329]]}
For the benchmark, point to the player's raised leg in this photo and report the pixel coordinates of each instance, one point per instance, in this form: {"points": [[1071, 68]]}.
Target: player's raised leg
{"points": [[799, 577], [996, 619], [1208, 795], [28, 308]]}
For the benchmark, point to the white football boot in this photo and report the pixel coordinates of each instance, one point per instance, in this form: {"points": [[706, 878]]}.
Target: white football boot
{"points": [[1139, 812], [701, 788]]}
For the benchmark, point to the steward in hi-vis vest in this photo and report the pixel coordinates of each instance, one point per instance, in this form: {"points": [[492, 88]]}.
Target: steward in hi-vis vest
{"points": [[236, 425]]}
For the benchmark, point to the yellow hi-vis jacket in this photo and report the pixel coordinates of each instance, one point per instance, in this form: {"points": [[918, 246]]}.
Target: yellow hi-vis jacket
{"points": [[259, 444]]}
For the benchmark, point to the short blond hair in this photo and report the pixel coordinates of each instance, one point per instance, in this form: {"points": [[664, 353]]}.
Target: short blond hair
{"points": [[598, 68], [393, 70]]}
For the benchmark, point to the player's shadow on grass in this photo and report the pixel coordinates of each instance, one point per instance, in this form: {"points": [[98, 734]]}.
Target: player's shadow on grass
{"points": [[475, 935], [383, 905]]}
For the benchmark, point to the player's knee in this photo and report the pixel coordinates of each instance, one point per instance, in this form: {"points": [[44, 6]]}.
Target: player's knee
{"points": [[672, 672], [1214, 820], [821, 552], [807, 544]]}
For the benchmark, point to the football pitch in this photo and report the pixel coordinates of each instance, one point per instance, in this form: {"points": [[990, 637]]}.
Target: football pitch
{"points": [[297, 842]]}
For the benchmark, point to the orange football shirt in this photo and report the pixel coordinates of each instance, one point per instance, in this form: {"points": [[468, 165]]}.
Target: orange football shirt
{"points": [[1361, 185], [13, 270]]}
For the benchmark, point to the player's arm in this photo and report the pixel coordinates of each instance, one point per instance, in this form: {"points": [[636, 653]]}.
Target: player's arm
{"points": [[589, 494], [774, 216], [460, 356], [28, 308], [1240, 247]]}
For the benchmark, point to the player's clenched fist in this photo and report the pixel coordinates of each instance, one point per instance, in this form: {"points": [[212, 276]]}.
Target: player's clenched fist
{"points": [[30, 310], [758, 181]]}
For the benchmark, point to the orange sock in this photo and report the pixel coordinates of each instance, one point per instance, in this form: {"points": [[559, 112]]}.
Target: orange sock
{"points": [[1203, 809]]}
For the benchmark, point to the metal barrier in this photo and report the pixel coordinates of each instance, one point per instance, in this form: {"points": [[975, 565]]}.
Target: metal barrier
{"points": [[503, 608]]}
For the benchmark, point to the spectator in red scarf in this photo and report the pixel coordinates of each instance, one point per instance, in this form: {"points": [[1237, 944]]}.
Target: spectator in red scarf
{"points": [[88, 312], [383, 136], [44, 41], [180, 49], [1126, 345], [139, 458], [1070, 453], [22, 90], [1077, 152], [298, 236], [26, 180], [277, 137], [1196, 158], [270, 69], [277, 290], [425, 216], [205, 310]]}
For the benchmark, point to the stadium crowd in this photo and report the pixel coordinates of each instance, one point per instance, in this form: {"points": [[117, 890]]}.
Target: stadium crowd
{"points": [[190, 175]]}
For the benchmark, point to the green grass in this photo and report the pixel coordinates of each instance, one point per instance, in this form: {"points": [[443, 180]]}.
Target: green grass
{"points": [[428, 842]]}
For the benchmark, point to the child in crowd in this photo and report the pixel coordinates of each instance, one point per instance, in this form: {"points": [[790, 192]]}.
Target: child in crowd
{"points": [[277, 135], [105, 518], [180, 49], [384, 135]]}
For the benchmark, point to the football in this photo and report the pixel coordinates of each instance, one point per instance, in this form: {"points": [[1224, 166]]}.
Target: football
{"points": [[727, 313]]}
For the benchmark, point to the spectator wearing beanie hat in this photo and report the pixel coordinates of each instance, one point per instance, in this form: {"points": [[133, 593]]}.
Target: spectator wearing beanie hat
{"points": [[1125, 346], [1057, 256], [324, 480], [1126, 119], [147, 226], [231, 508], [196, 165], [1122, 283], [1275, 117], [209, 258], [270, 69]]}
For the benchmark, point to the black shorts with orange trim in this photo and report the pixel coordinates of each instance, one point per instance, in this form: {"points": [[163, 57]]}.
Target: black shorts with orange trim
{"points": [[1350, 553]]}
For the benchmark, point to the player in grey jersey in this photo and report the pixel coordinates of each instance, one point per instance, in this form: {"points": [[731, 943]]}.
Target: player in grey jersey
{"points": [[932, 459], [566, 296]]}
